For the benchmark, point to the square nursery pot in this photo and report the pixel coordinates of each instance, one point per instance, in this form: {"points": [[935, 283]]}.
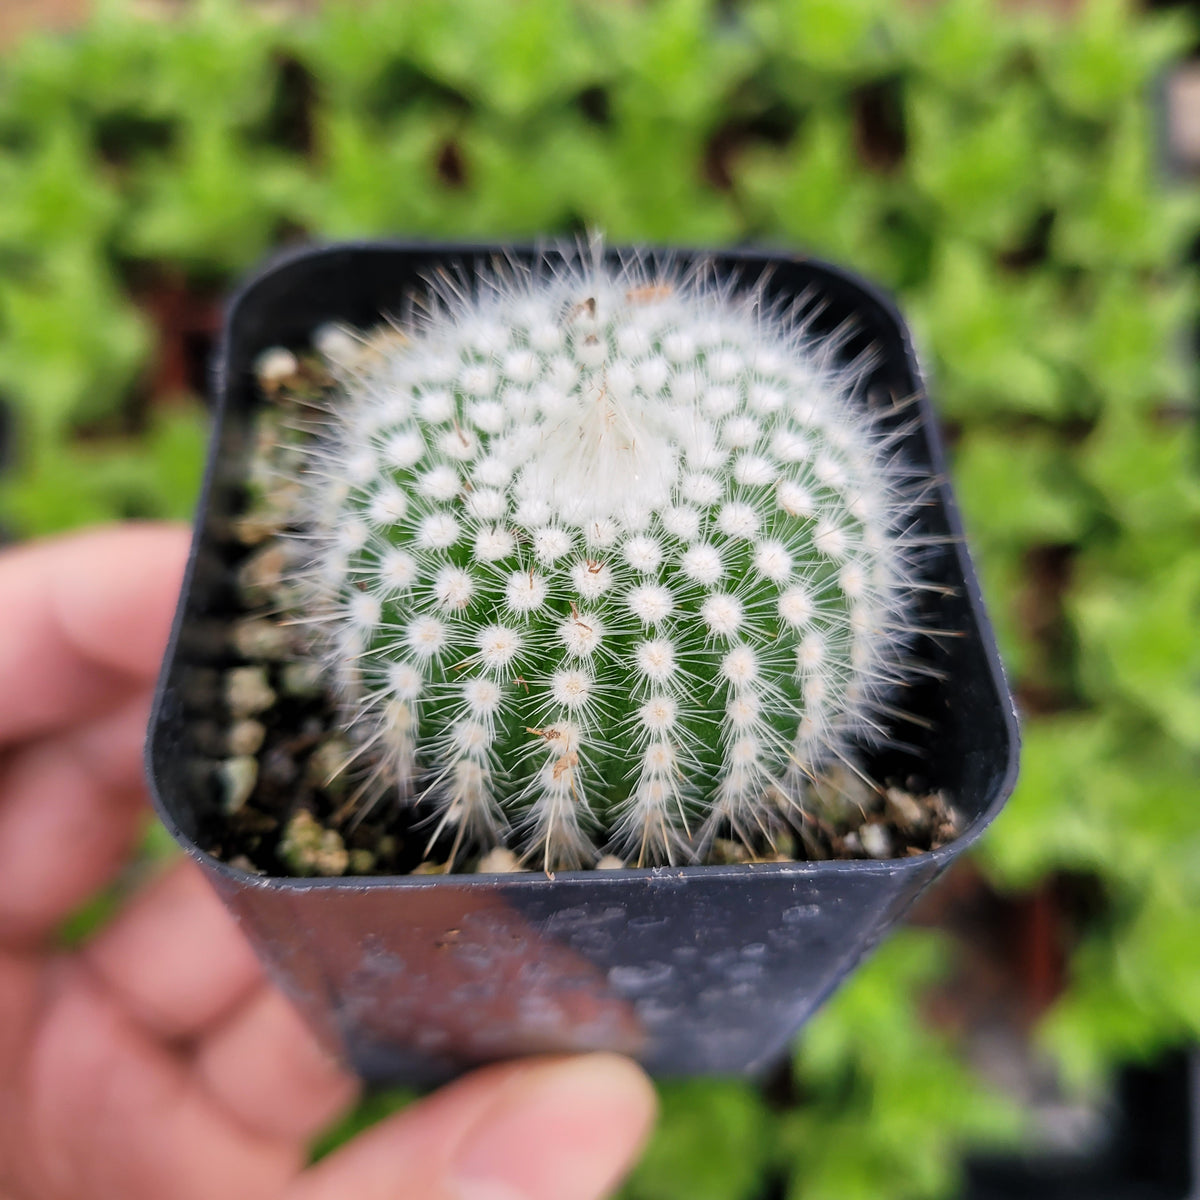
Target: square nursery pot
{"points": [[702, 969]]}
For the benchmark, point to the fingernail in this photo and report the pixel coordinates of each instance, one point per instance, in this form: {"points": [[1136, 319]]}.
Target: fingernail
{"points": [[564, 1131]]}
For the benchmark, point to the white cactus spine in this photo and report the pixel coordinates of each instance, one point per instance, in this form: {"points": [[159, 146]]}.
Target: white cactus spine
{"points": [[606, 556]]}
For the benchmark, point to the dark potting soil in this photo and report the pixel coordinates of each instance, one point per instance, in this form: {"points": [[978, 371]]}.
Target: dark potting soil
{"points": [[290, 780]]}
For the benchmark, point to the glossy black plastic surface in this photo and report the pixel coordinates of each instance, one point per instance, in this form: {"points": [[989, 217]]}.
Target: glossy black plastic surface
{"points": [[692, 970]]}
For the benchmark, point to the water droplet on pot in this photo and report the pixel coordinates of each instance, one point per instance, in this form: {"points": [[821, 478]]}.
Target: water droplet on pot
{"points": [[640, 978]]}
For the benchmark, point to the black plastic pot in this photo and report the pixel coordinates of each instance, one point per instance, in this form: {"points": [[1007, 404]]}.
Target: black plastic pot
{"points": [[1145, 1145], [691, 970]]}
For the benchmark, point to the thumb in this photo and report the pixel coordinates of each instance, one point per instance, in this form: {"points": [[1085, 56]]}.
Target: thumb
{"points": [[549, 1129]]}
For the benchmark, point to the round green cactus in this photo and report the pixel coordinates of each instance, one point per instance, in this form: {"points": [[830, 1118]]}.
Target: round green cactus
{"points": [[605, 558]]}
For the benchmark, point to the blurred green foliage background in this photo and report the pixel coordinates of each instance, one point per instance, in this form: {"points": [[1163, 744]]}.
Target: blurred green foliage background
{"points": [[997, 167]]}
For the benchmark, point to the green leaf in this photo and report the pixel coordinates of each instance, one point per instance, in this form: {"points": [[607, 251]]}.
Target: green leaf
{"points": [[978, 164], [70, 344], [1156, 963], [792, 187], [351, 50], [374, 1107], [993, 337], [1128, 342], [524, 186], [511, 57], [889, 1106], [1108, 53], [1115, 209], [1134, 991], [371, 179], [157, 846], [1143, 467], [1019, 489], [55, 194], [1058, 816], [1094, 1025], [847, 39], [1138, 638], [85, 483], [213, 205], [713, 1142], [964, 45], [639, 179], [674, 60], [1004, 579], [212, 65]]}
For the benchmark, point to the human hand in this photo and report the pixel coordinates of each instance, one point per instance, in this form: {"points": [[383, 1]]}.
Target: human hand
{"points": [[156, 1063]]}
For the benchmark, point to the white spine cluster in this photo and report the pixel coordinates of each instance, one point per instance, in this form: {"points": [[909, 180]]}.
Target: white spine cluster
{"points": [[607, 556]]}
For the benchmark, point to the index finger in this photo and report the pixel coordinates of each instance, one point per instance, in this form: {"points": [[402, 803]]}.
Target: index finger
{"points": [[84, 619]]}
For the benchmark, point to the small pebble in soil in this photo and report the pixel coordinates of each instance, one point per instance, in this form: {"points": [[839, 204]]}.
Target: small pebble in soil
{"points": [[258, 638], [301, 680], [362, 862], [499, 861], [261, 574], [238, 777], [310, 849], [247, 691], [729, 851], [275, 367], [327, 765], [840, 795], [338, 345], [429, 868], [904, 811], [246, 737], [253, 528], [876, 840]]}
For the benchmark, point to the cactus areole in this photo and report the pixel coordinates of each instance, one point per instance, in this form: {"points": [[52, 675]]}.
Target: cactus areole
{"points": [[610, 556]]}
